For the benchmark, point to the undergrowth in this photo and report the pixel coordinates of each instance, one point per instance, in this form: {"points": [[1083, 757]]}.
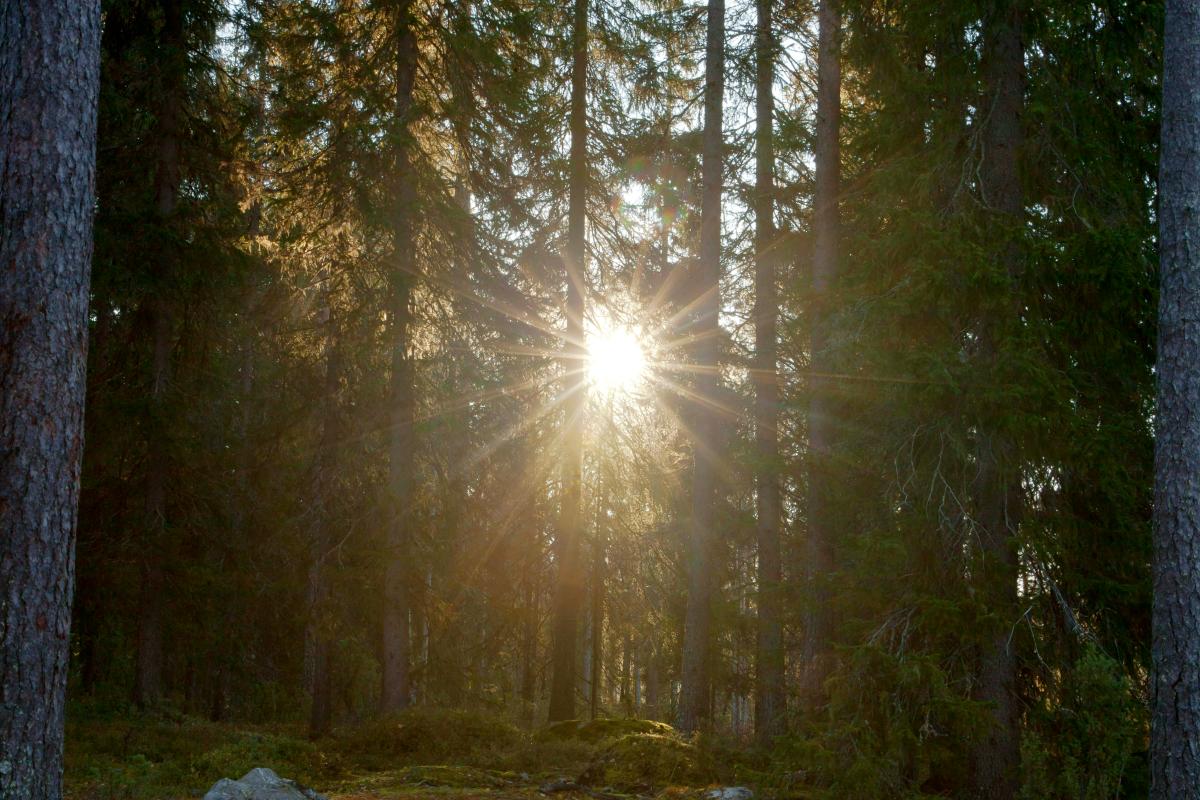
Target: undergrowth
{"points": [[161, 756]]}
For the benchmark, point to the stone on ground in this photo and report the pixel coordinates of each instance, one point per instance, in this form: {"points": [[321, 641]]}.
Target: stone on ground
{"points": [[260, 783]]}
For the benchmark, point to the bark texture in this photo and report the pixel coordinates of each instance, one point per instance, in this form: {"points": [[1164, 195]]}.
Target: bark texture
{"points": [[49, 79], [820, 541], [769, 689], [996, 757], [695, 697], [1175, 720], [568, 594], [397, 690], [147, 683]]}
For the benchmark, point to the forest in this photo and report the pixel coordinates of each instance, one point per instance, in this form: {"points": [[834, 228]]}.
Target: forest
{"points": [[600, 399]]}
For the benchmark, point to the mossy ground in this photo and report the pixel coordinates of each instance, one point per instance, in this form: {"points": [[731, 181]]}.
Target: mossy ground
{"points": [[422, 753]]}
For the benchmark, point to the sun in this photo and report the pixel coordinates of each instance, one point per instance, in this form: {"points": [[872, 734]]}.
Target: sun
{"points": [[616, 358]]}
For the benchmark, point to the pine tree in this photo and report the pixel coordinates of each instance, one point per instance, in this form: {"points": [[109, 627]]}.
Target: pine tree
{"points": [[769, 658], [569, 591], [49, 71], [695, 710], [1175, 762]]}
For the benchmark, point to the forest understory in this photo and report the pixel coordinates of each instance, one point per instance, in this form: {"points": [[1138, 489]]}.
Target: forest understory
{"points": [[420, 753]]}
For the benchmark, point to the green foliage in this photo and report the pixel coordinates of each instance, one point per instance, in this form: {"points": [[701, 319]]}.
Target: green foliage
{"points": [[1081, 744], [895, 728], [152, 756]]}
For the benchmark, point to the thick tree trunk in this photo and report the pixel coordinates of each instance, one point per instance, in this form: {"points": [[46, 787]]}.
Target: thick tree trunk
{"points": [[568, 596], [695, 709], [49, 78], [820, 543], [769, 694], [148, 679], [996, 757], [396, 635], [317, 635], [1175, 725]]}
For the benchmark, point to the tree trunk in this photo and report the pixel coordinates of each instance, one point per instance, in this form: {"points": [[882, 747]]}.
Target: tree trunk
{"points": [[148, 677], [820, 543], [396, 637], [568, 596], [996, 757], [653, 707], [317, 639], [1175, 726], [529, 637], [695, 709], [769, 696], [626, 699], [49, 78], [598, 578]]}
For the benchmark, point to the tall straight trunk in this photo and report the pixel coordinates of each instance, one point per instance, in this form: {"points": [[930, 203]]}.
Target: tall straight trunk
{"points": [[568, 595], [148, 680], [653, 707], [769, 695], [396, 638], [529, 636], [1175, 725], [996, 757], [597, 626], [624, 696], [317, 639], [695, 708], [49, 79], [820, 543]]}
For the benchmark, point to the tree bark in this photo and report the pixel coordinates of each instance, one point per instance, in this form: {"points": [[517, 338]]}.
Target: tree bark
{"points": [[49, 79], [821, 428], [148, 679], [695, 709], [568, 596], [769, 690], [396, 636], [996, 757], [597, 626], [1175, 723]]}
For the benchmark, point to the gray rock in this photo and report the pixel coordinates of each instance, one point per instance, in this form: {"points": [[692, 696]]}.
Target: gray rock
{"points": [[729, 793], [260, 783]]}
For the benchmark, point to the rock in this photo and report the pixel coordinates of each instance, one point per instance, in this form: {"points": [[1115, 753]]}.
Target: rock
{"points": [[260, 783], [559, 785], [729, 793]]}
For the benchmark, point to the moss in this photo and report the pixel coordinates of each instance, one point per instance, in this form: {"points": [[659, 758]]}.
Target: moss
{"points": [[428, 736], [648, 760], [455, 777], [549, 759], [601, 730]]}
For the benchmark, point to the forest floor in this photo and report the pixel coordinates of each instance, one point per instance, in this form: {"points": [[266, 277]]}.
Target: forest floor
{"points": [[422, 753]]}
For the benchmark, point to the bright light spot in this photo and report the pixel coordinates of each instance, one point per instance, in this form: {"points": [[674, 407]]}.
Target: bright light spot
{"points": [[616, 360]]}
